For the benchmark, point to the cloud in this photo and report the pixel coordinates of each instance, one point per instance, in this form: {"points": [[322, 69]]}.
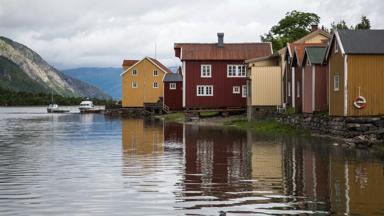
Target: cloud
{"points": [[76, 33]]}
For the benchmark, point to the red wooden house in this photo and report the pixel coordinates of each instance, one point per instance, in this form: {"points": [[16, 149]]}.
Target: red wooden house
{"points": [[173, 91], [214, 74], [315, 80]]}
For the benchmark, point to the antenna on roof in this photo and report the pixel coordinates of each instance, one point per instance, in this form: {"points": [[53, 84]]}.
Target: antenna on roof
{"points": [[155, 50]]}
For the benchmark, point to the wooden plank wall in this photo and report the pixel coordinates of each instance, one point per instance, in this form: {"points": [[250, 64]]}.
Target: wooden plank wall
{"points": [[266, 86]]}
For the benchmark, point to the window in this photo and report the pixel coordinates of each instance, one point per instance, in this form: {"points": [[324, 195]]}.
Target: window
{"points": [[336, 82], [236, 71], [155, 85], [244, 93], [172, 85], [298, 89], [206, 71], [134, 84], [236, 90], [289, 89], [155, 73], [336, 47], [204, 90], [134, 72]]}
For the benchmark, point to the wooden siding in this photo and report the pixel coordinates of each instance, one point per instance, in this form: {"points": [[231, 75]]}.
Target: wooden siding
{"points": [[266, 86], [173, 98], [336, 98], [144, 93], [308, 89], [321, 88], [298, 100], [317, 39], [223, 96], [366, 72]]}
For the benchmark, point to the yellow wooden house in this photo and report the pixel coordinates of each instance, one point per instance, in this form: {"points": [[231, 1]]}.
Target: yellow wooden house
{"points": [[142, 82]]}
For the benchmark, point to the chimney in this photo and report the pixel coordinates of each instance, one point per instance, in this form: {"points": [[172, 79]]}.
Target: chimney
{"points": [[220, 39], [314, 27]]}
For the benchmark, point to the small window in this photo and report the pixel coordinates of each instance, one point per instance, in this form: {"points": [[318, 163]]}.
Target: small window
{"points": [[155, 73], [298, 89], [172, 86], [134, 84], [204, 90], [134, 72], [289, 89], [155, 85], [206, 71], [336, 82], [336, 47], [236, 90], [244, 93]]}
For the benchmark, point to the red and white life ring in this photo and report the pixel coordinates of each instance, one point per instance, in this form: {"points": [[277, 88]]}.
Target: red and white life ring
{"points": [[360, 102]]}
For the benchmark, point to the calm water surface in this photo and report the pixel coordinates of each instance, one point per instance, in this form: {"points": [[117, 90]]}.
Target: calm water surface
{"points": [[72, 164]]}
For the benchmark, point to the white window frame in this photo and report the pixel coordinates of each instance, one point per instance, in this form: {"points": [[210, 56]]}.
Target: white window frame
{"points": [[134, 72], [336, 80], [244, 91], [206, 71], [172, 86], [155, 86], [289, 89], [298, 87], [206, 90], [134, 84], [236, 89], [236, 70], [155, 73]]}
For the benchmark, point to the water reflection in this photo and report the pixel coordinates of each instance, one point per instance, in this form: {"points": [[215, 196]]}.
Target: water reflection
{"points": [[93, 165]]}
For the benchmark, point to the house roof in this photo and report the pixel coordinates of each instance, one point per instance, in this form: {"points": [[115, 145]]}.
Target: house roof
{"points": [[129, 63], [230, 51], [362, 41], [315, 54], [273, 56], [153, 61], [299, 49], [173, 77], [305, 38]]}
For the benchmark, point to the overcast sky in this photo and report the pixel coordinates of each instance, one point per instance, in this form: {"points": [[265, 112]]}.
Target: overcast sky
{"points": [[79, 33]]}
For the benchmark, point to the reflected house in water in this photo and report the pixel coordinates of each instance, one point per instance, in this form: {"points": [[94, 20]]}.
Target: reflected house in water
{"points": [[142, 137]]}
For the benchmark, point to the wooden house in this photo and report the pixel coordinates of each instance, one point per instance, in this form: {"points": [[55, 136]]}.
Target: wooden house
{"points": [[214, 74], [315, 80], [316, 37], [356, 73], [142, 82], [264, 85], [173, 91]]}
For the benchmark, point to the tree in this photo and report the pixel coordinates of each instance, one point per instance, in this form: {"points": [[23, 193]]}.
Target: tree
{"points": [[364, 24], [293, 26], [341, 25]]}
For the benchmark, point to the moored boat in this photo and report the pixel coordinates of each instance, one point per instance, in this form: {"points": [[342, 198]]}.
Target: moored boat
{"points": [[88, 107], [54, 108]]}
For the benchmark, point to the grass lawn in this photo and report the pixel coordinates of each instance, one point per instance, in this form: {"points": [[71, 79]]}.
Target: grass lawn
{"points": [[172, 117], [267, 126]]}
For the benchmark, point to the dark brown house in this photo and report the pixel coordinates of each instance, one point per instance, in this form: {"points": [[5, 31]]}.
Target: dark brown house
{"points": [[173, 91], [356, 73], [214, 74]]}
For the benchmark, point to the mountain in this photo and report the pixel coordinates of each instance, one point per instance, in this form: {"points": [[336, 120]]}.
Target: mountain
{"points": [[106, 78], [22, 69]]}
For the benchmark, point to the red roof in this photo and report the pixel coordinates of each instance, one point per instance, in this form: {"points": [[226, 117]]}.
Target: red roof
{"points": [[161, 65], [129, 63], [230, 51]]}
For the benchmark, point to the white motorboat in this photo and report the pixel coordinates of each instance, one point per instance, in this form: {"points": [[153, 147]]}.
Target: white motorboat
{"points": [[88, 107]]}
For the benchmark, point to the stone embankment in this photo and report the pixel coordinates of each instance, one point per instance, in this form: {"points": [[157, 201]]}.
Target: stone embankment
{"points": [[364, 131]]}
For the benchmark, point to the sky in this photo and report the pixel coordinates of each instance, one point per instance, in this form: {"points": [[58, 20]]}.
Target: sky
{"points": [[90, 33]]}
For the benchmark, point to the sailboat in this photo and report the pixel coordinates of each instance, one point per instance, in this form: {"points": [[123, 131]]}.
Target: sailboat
{"points": [[54, 108]]}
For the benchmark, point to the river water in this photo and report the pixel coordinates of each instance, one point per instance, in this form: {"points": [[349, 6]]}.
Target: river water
{"points": [[73, 164]]}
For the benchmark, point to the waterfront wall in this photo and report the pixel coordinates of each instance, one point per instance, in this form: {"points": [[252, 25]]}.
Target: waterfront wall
{"points": [[355, 130]]}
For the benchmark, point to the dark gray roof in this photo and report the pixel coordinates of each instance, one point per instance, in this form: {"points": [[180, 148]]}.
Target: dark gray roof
{"points": [[362, 41], [316, 55], [173, 77]]}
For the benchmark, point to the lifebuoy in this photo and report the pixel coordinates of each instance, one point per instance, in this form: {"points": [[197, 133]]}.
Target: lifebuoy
{"points": [[360, 102]]}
